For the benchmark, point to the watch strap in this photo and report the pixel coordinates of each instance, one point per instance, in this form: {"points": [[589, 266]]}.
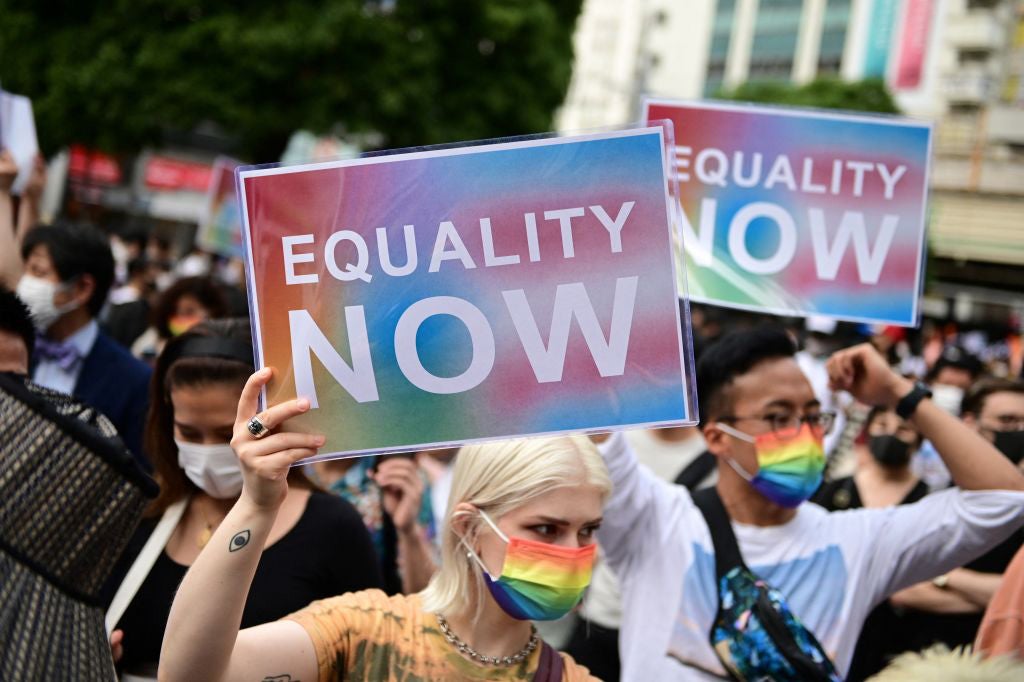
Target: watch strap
{"points": [[908, 403]]}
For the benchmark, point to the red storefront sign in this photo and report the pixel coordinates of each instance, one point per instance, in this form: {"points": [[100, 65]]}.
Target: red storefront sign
{"points": [[163, 173], [95, 167]]}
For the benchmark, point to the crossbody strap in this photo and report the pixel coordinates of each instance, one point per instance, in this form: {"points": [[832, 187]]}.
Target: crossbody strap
{"points": [[144, 563], [727, 552]]}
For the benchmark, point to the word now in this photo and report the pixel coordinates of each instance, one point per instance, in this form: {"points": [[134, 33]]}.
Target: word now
{"points": [[827, 256], [448, 245], [547, 360]]}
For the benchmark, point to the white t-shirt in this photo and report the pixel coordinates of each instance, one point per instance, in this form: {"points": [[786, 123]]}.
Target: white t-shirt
{"points": [[666, 460], [831, 568]]}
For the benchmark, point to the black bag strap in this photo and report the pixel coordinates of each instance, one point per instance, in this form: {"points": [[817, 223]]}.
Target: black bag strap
{"points": [[727, 552], [696, 471]]}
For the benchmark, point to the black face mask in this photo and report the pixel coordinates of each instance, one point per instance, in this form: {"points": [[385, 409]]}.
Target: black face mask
{"points": [[1011, 444], [889, 451]]}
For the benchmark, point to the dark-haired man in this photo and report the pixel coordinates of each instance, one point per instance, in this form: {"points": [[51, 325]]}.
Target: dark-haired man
{"points": [[759, 411], [68, 272]]}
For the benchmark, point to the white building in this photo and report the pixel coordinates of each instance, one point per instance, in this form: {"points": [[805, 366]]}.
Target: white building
{"points": [[959, 63]]}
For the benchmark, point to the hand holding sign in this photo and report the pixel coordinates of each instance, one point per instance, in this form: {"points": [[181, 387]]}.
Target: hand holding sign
{"points": [[265, 462]]}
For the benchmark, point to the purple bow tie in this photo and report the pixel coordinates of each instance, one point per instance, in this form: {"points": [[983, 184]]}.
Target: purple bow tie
{"points": [[66, 355]]}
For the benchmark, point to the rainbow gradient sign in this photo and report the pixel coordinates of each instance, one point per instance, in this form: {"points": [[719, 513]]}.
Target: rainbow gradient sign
{"points": [[437, 297], [220, 227], [797, 212]]}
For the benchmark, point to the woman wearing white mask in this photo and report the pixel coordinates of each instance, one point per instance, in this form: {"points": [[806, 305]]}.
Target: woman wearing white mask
{"points": [[518, 545], [196, 386]]}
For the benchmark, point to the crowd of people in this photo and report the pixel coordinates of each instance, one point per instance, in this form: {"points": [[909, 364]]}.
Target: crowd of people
{"points": [[851, 497]]}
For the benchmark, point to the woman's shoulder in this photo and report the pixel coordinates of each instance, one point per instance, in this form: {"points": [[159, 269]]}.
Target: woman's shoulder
{"points": [[372, 601], [573, 671]]}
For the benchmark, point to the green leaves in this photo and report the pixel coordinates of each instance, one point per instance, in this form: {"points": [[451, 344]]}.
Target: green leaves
{"points": [[827, 93], [122, 75]]}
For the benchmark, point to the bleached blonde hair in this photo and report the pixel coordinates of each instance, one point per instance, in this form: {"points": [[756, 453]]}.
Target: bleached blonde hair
{"points": [[959, 665], [498, 477]]}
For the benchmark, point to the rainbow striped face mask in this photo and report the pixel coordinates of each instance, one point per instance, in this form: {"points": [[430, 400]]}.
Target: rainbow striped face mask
{"points": [[538, 581], [789, 471]]}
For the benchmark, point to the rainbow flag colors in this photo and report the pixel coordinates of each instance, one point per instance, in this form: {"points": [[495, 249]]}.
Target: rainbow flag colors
{"points": [[220, 227], [442, 296], [800, 212]]}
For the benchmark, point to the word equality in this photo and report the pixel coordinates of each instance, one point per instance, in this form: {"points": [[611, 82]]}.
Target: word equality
{"points": [[713, 166], [448, 246]]}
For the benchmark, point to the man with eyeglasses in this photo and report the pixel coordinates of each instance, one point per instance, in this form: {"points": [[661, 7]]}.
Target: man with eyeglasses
{"points": [[760, 418]]}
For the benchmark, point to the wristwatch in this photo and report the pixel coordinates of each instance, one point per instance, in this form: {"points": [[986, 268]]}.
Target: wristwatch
{"points": [[942, 581], [908, 403]]}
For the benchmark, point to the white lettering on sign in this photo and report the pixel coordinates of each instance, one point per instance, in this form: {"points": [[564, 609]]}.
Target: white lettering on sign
{"points": [[347, 258], [307, 340], [571, 302], [715, 167], [869, 258]]}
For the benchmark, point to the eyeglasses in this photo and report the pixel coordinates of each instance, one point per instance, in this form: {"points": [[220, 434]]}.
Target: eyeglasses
{"points": [[786, 427]]}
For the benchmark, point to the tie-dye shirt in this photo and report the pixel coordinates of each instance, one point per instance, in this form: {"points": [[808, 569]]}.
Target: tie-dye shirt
{"points": [[364, 636], [831, 568]]}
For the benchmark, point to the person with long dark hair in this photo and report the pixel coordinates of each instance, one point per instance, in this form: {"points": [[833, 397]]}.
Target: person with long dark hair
{"points": [[196, 385]]}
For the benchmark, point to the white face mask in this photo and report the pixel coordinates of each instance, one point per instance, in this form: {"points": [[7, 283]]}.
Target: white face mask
{"points": [[214, 468], [37, 293], [948, 398]]}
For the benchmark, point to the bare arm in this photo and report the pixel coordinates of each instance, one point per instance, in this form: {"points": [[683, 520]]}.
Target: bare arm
{"points": [[977, 587], [31, 197], [202, 639], [10, 244], [927, 597], [973, 462]]}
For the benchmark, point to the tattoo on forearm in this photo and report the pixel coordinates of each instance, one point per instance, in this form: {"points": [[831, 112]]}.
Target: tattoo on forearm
{"points": [[280, 678], [239, 541]]}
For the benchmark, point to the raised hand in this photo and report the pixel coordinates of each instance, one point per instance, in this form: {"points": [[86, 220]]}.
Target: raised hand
{"points": [[864, 373], [402, 486], [8, 171], [265, 461]]}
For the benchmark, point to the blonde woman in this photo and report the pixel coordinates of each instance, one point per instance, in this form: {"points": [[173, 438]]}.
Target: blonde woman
{"points": [[518, 544]]}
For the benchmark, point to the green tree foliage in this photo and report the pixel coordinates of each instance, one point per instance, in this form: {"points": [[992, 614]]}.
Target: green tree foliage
{"points": [[122, 74], [826, 93]]}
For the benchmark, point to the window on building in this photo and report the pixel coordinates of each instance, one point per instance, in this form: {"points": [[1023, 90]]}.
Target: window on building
{"points": [[775, 36], [833, 36]]}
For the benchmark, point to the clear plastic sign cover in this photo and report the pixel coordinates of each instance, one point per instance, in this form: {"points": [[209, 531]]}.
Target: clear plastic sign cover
{"points": [[432, 297], [800, 211]]}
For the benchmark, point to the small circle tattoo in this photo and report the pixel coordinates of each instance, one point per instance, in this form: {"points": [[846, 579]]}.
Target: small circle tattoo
{"points": [[238, 541]]}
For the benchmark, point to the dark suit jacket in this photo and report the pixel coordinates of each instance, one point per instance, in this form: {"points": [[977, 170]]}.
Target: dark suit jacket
{"points": [[117, 384]]}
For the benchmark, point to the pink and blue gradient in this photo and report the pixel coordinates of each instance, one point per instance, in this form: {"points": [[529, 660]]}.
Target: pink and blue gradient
{"points": [[472, 183], [823, 137]]}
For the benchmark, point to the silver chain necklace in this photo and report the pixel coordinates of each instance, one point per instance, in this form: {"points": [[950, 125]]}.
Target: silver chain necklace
{"points": [[469, 652]]}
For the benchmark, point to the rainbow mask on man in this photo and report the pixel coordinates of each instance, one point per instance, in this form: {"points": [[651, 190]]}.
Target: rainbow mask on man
{"points": [[538, 581], [789, 470]]}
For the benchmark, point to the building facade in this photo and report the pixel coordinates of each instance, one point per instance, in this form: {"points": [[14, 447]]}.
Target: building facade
{"points": [[958, 63]]}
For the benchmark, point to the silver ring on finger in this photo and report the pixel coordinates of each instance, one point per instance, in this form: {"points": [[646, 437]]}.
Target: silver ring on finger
{"points": [[257, 429]]}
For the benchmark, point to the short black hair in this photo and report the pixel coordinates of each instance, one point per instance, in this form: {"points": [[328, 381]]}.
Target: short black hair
{"points": [[202, 289], [76, 249], [974, 401], [15, 318], [733, 355], [958, 358]]}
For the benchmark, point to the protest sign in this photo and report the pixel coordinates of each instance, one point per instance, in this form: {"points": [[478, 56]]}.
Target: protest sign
{"points": [[799, 212], [443, 296], [220, 226], [18, 135]]}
